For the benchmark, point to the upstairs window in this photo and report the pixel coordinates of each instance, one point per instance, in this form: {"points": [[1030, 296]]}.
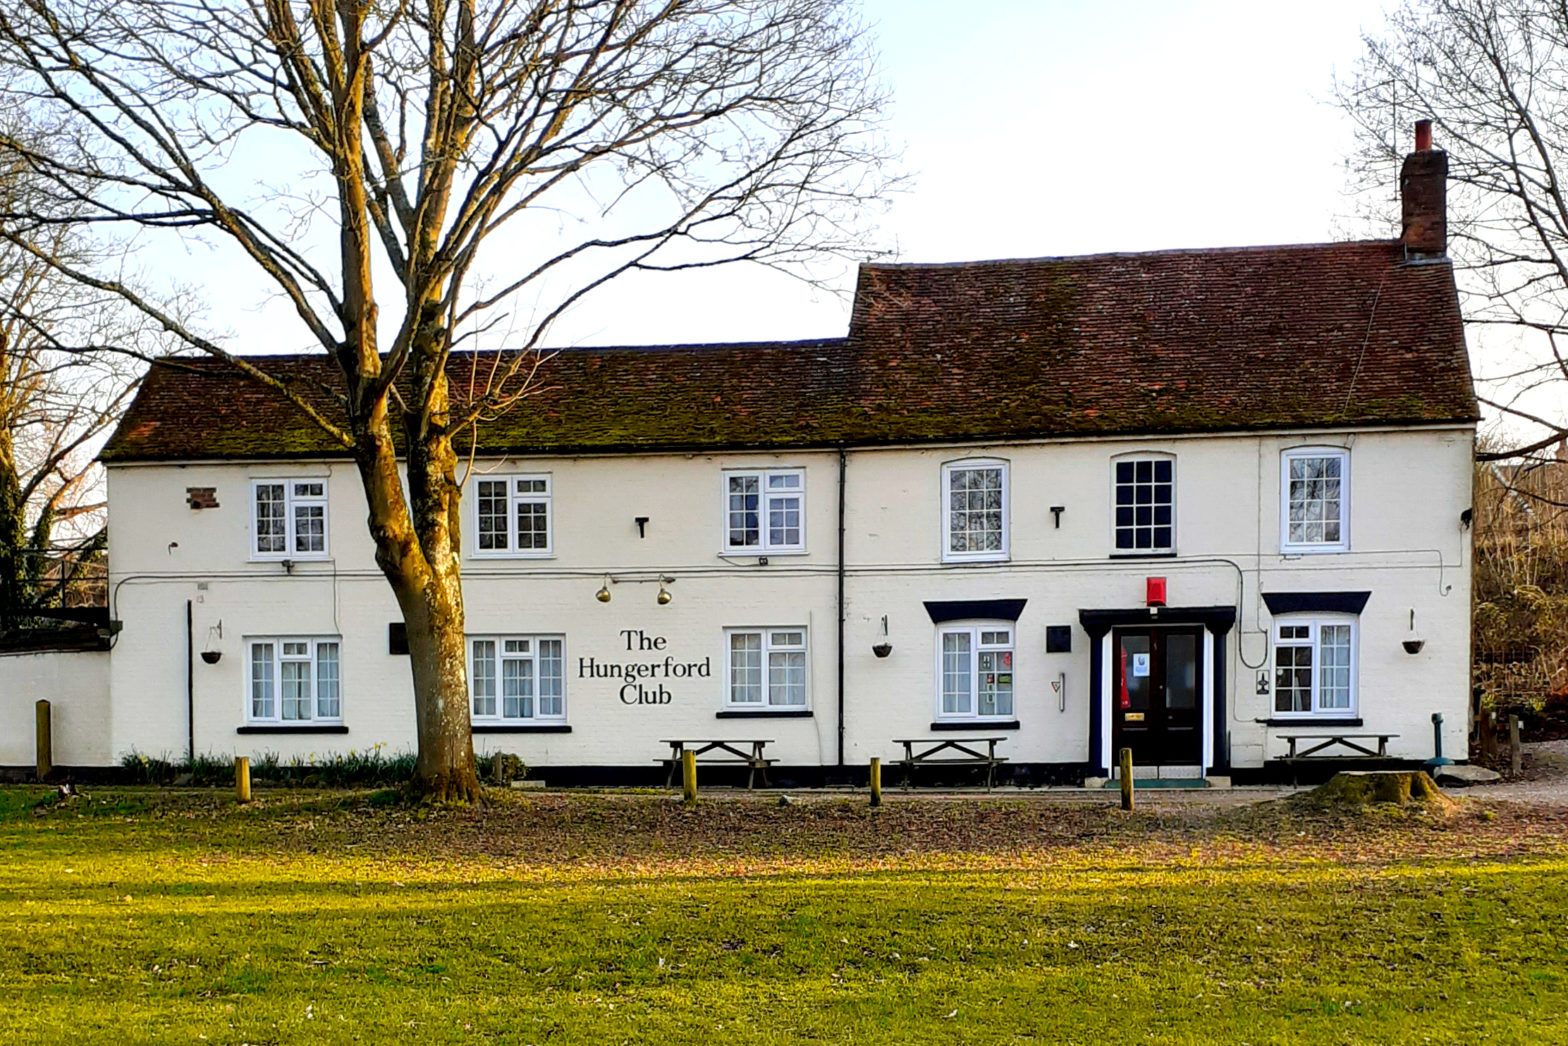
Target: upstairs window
{"points": [[512, 516], [765, 511], [517, 678], [975, 671], [766, 668], [295, 680], [1314, 666], [1315, 500], [1145, 505], [974, 510], [289, 518]]}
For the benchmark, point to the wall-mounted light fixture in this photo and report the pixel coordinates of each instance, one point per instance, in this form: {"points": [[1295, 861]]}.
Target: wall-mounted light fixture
{"points": [[883, 648], [603, 595], [664, 597], [642, 525]]}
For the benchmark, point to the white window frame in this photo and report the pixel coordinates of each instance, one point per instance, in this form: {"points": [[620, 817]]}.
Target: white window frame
{"points": [[1286, 545], [291, 501], [312, 657], [1133, 459], [1314, 624], [768, 649], [974, 630], [765, 497], [514, 498], [532, 657], [987, 555]]}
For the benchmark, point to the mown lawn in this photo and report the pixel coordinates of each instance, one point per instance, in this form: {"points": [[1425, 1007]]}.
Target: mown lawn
{"points": [[138, 916]]}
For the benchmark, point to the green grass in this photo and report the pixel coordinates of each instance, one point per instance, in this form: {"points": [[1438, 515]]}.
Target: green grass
{"points": [[142, 916]]}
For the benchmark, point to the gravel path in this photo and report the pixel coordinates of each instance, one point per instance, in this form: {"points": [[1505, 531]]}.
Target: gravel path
{"points": [[1548, 790]]}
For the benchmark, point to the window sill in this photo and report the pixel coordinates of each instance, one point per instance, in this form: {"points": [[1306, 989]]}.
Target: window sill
{"points": [[490, 557], [284, 728], [964, 561], [764, 713], [314, 557], [520, 728], [1312, 721], [976, 724], [1171, 554], [1313, 550], [750, 553]]}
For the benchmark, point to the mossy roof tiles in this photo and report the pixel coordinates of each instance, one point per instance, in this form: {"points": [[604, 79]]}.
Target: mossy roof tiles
{"points": [[1329, 335]]}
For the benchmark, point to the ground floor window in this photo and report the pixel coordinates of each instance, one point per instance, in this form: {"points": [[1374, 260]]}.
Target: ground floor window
{"points": [[1314, 665], [294, 679], [765, 667], [975, 671], [512, 678]]}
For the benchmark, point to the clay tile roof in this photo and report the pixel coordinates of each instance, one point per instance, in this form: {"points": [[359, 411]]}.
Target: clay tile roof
{"points": [[1330, 335]]}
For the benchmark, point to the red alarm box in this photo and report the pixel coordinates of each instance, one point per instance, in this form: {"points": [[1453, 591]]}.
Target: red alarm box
{"points": [[1154, 595]]}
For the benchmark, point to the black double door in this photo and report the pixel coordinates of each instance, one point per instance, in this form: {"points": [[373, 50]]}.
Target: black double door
{"points": [[1157, 696]]}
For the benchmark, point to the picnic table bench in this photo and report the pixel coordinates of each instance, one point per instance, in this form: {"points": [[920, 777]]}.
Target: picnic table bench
{"points": [[1328, 745], [748, 752], [964, 751]]}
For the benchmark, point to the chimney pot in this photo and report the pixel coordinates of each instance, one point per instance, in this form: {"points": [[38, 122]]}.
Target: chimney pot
{"points": [[1423, 136]]}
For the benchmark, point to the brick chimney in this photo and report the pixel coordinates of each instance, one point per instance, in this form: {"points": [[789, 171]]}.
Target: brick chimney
{"points": [[1423, 193]]}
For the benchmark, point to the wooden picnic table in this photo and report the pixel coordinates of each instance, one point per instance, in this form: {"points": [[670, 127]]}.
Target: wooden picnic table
{"points": [[747, 751], [1344, 740], [965, 752]]}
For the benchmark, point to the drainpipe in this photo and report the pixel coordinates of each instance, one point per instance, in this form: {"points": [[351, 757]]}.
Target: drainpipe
{"points": [[842, 471], [190, 685]]}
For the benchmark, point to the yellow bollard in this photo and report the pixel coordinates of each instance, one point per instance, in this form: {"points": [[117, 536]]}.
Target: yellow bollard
{"points": [[876, 781], [1126, 778], [45, 739], [242, 778], [689, 776]]}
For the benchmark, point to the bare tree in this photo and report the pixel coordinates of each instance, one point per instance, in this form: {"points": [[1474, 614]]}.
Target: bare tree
{"points": [[679, 133], [1493, 77], [56, 402]]}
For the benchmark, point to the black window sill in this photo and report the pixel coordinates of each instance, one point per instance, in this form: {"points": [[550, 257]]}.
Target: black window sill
{"points": [[1143, 555], [313, 729], [793, 713], [977, 724], [521, 728], [1305, 721]]}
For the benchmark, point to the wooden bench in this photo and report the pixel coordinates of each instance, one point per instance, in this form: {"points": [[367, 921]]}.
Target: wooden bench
{"points": [[721, 751], [965, 751]]}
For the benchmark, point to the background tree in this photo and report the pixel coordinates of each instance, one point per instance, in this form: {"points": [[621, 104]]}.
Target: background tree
{"points": [[682, 133], [1493, 77], [58, 398]]}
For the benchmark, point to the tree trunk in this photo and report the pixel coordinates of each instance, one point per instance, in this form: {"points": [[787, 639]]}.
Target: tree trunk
{"points": [[436, 647]]}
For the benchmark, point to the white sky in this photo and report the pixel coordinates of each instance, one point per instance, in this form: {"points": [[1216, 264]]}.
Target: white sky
{"points": [[1031, 127]]}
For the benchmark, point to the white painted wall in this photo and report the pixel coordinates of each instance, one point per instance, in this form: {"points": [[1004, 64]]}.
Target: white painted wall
{"points": [[1407, 547], [76, 683]]}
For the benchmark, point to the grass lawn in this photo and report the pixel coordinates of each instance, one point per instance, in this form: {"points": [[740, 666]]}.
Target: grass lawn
{"points": [[142, 916]]}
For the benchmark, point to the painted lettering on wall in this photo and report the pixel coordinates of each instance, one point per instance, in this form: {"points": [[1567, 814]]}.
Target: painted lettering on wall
{"points": [[633, 672]]}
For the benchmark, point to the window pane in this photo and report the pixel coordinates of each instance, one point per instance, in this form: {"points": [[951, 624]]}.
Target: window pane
{"points": [[1292, 678], [517, 688], [490, 506], [1145, 500], [744, 528], [328, 688], [310, 528], [552, 678], [957, 670], [1314, 509], [294, 677], [1334, 667], [975, 510], [483, 682], [271, 533], [745, 668], [784, 520], [996, 682], [533, 525], [261, 681], [787, 677], [1181, 671]]}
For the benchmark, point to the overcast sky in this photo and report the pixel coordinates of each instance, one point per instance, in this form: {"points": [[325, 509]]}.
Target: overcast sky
{"points": [[1031, 128]]}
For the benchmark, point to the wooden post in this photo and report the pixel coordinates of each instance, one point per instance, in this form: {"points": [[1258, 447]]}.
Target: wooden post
{"points": [[1515, 756], [242, 778], [689, 776], [45, 738], [876, 781], [1126, 769]]}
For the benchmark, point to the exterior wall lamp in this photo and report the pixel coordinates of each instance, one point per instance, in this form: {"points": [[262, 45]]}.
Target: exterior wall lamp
{"points": [[603, 595]]}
